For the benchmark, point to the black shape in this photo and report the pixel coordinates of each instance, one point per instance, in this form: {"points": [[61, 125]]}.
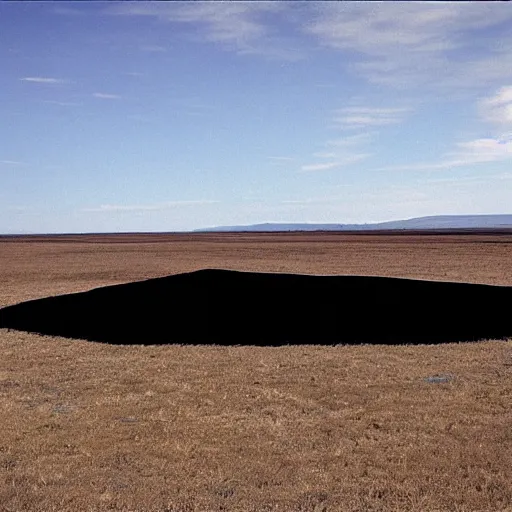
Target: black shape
{"points": [[228, 307]]}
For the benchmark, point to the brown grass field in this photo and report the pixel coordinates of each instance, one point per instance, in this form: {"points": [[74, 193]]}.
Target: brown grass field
{"points": [[93, 427]]}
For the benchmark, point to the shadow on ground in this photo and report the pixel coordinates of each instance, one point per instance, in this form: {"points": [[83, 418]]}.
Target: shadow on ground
{"points": [[228, 307]]}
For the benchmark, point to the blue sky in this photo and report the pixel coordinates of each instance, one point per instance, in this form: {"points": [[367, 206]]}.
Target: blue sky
{"points": [[135, 116]]}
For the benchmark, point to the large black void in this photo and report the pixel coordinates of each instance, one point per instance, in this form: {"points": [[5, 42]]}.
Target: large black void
{"points": [[228, 307]]}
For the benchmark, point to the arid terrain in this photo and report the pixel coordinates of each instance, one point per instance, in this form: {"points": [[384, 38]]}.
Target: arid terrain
{"points": [[93, 427]]}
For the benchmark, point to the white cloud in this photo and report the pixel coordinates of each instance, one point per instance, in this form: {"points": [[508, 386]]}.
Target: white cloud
{"points": [[428, 44], [340, 162], [63, 103], [350, 140], [324, 154], [11, 162], [498, 108], [69, 11], [495, 109], [502, 96], [320, 167], [42, 80], [116, 208], [236, 25], [18, 210], [311, 201], [395, 43], [281, 158], [342, 152], [368, 117], [483, 150], [466, 154], [374, 30], [225, 22], [153, 49], [106, 96]]}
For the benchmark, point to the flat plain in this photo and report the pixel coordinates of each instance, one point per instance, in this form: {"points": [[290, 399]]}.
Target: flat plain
{"points": [[89, 426]]}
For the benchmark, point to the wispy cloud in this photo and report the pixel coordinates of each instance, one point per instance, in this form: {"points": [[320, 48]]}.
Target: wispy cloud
{"points": [[350, 140], [11, 162], [153, 49], [498, 107], [63, 103], [239, 26], [281, 158], [117, 208], [495, 109], [470, 153], [368, 117], [484, 150], [18, 210], [340, 162], [311, 201], [405, 43], [344, 151], [319, 167], [43, 80], [466, 154], [68, 11], [348, 150], [324, 154], [106, 96]]}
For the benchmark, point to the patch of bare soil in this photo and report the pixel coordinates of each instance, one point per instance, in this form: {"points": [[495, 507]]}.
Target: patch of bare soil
{"points": [[89, 426]]}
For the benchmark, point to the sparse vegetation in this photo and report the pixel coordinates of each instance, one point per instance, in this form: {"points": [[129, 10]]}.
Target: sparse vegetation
{"points": [[87, 426]]}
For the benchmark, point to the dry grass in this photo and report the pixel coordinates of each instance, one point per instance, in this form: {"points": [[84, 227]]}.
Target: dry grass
{"points": [[87, 426]]}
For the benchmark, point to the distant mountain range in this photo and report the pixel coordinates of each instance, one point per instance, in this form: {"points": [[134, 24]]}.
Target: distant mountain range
{"points": [[420, 223]]}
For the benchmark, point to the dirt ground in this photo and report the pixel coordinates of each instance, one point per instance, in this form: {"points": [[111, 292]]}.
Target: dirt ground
{"points": [[88, 426]]}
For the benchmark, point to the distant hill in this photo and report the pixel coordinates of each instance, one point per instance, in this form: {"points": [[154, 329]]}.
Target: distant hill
{"points": [[420, 223]]}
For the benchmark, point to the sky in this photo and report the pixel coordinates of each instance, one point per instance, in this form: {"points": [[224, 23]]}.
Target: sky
{"points": [[173, 116]]}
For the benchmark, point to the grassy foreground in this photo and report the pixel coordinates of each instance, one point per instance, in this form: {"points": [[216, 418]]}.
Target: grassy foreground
{"points": [[87, 426]]}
